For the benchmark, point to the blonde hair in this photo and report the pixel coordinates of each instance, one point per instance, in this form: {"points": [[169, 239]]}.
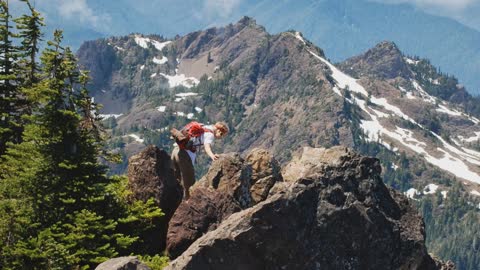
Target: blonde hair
{"points": [[222, 126]]}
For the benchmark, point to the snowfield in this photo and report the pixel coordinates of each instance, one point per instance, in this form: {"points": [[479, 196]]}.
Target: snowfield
{"points": [[136, 138], [106, 116], [430, 189], [143, 42], [180, 79]]}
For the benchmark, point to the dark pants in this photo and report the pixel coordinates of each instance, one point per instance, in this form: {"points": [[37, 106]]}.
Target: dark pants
{"points": [[184, 171]]}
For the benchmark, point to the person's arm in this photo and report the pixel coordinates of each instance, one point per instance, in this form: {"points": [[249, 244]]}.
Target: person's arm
{"points": [[208, 149]]}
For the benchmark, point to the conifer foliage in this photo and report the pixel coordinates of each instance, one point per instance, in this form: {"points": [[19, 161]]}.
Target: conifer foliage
{"points": [[9, 118], [56, 199]]}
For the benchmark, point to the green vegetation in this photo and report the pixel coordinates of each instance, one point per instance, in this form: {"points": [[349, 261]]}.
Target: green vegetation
{"points": [[59, 208], [453, 226]]}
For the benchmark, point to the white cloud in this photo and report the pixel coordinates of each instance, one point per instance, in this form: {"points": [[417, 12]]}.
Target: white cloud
{"points": [[63, 11], [223, 8], [79, 10]]}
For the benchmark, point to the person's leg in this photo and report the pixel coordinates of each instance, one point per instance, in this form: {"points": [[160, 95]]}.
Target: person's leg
{"points": [[186, 171], [175, 164]]}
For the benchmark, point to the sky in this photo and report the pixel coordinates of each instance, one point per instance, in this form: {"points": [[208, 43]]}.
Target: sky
{"points": [[84, 11], [464, 11]]}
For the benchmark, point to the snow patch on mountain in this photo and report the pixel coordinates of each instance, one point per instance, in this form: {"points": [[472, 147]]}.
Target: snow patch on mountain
{"points": [[187, 94], [160, 45], [180, 79], [299, 37], [446, 110], [161, 108], [430, 189], [425, 96], [411, 61], [453, 165], [343, 80], [408, 93], [136, 138], [411, 193], [106, 116], [142, 42], [160, 61]]}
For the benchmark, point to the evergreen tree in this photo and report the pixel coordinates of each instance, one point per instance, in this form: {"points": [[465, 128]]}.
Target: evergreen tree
{"points": [[30, 33], [10, 127], [58, 207]]}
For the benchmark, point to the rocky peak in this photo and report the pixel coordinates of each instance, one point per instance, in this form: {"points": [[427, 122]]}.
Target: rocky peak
{"points": [[384, 61], [339, 215], [333, 213]]}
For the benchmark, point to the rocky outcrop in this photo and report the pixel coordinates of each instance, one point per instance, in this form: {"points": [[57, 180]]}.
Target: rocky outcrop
{"points": [[123, 263], [384, 61], [265, 173], [314, 160], [151, 176], [337, 214], [224, 190]]}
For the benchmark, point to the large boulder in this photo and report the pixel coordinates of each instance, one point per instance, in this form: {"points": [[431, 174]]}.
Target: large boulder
{"points": [[265, 173], [150, 175], [339, 215], [223, 191], [314, 160], [123, 263]]}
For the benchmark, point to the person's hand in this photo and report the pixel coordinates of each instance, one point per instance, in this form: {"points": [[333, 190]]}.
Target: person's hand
{"points": [[214, 157]]}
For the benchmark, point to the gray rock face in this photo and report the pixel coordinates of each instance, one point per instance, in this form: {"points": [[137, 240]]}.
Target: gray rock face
{"points": [[339, 215], [151, 176], [224, 190], [123, 263], [265, 173]]}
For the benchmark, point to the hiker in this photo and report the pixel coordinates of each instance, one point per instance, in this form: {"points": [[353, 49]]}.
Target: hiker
{"points": [[188, 142]]}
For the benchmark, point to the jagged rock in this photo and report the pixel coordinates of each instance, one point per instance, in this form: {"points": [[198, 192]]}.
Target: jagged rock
{"points": [[340, 216], [265, 173], [123, 263], [151, 176], [222, 191], [314, 160]]}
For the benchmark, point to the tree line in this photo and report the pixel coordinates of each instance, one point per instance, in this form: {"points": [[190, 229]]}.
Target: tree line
{"points": [[58, 207]]}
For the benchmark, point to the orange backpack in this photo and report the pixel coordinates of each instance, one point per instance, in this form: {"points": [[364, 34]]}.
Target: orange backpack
{"points": [[184, 137]]}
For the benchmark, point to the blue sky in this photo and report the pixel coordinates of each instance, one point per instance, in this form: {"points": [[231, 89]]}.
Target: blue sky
{"points": [[101, 20], [464, 11]]}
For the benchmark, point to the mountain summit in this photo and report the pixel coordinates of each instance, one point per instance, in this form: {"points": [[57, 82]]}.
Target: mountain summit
{"points": [[384, 61]]}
